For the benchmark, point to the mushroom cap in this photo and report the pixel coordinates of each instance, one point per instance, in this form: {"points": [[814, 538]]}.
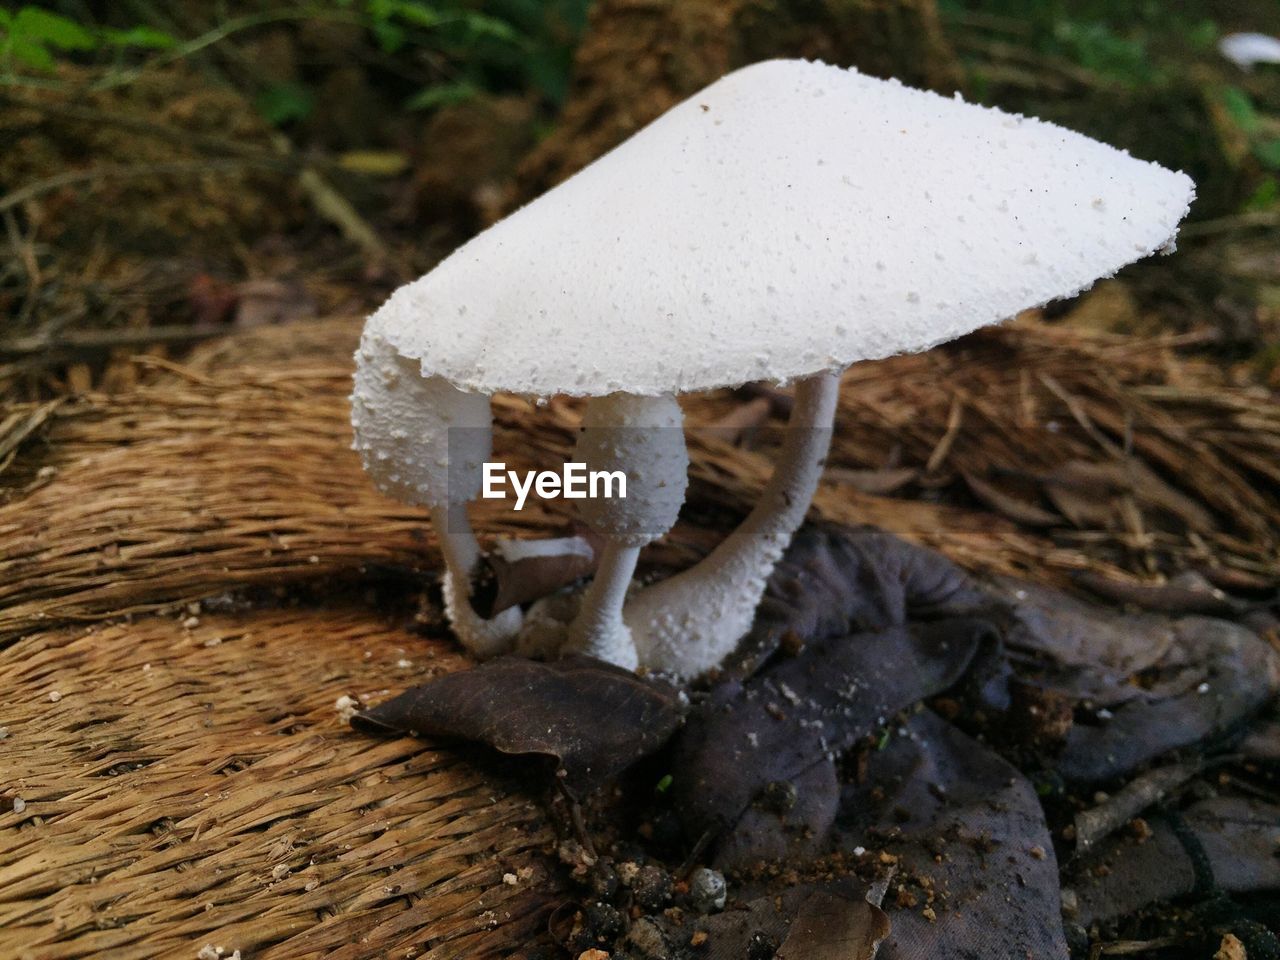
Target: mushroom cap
{"points": [[790, 218]]}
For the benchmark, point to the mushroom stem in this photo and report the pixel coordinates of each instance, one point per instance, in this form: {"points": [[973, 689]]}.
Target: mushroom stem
{"points": [[599, 630], [641, 441], [423, 441], [461, 550], [688, 623]]}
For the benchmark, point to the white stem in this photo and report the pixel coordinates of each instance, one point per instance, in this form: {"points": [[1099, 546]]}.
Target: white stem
{"points": [[643, 438], [483, 638], [688, 623], [599, 630]]}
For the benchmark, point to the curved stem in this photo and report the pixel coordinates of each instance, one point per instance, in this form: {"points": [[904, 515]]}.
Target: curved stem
{"points": [[484, 638], [599, 630], [688, 623]]}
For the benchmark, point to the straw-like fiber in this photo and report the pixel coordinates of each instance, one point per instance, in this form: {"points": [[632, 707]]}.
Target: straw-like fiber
{"points": [[188, 781], [192, 783]]}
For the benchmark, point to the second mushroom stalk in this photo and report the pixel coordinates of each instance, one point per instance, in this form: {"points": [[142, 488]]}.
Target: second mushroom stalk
{"points": [[687, 623]]}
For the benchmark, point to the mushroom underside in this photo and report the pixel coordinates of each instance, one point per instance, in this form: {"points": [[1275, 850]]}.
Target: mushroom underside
{"points": [[424, 441]]}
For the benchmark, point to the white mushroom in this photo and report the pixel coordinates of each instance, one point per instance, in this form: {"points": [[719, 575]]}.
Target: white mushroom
{"points": [[424, 442], [789, 220], [1246, 50]]}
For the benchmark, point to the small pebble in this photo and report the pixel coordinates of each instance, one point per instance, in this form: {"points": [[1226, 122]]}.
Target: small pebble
{"points": [[778, 796], [652, 887], [1070, 902], [19, 805], [510, 879], [54, 696], [604, 921], [347, 707], [707, 890]]}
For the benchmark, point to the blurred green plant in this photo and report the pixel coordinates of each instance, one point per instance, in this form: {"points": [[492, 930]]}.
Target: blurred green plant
{"points": [[496, 45], [33, 37], [1128, 42], [1261, 136]]}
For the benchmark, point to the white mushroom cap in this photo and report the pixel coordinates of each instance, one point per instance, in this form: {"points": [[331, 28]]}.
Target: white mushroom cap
{"points": [[792, 217], [421, 439]]}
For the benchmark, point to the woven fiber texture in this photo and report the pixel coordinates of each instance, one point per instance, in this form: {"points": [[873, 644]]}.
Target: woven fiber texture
{"points": [[192, 573]]}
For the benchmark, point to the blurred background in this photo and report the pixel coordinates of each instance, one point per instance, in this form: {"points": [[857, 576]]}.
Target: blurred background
{"points": [[171, 169]]}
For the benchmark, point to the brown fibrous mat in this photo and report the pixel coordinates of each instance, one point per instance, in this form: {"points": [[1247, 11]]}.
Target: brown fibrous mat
{"points": [[194, 573]]}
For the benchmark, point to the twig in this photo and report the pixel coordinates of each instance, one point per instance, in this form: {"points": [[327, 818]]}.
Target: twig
{"points": [[1150, 788], [1126, 948], [17, 427], [955, 416], [575, 817], [1238, 221]]}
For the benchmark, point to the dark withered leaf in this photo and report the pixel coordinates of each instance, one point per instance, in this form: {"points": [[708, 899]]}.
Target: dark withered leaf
{"points": [[964, 823], [1169, 598], [797, 712], [1224, 843], [1214, 677], [1200, 676], [836, 580], [831, 927], [592, 718], [1091, 650], [797, 834], [1262, 744]]}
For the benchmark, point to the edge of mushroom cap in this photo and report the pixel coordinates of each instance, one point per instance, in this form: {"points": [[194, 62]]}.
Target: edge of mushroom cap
{"points": [[470, 377]]}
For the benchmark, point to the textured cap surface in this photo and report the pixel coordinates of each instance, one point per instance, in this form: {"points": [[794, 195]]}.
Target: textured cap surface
{"points": [[792, 217]]}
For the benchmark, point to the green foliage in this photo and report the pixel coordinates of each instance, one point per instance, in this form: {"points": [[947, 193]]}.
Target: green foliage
{"points": [[497, 45], [1239, 107], [1097, 47], [1265, 197], [441, 95], [32, 36], [282, 103], [1133, 43], [448, 50], [1268, 153], [1263, 143]]}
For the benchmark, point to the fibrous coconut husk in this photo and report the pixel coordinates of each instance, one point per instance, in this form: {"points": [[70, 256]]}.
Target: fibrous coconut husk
{"points": [[159, 803]]}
